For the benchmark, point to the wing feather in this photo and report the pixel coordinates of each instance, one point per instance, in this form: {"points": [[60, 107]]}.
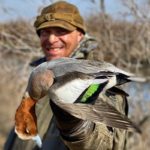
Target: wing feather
{"points": [[101, 112]]}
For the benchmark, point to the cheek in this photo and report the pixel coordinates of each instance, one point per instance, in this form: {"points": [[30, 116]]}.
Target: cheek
{"points": [[43, 46], [71, 41], [42, 41], [71, 44]]}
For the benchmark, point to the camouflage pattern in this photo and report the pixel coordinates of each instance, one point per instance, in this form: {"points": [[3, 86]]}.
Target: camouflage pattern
{"points": [[100, 138]]}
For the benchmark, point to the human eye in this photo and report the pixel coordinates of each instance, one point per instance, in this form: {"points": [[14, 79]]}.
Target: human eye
{"points": [[61, 31], [43, 33]]}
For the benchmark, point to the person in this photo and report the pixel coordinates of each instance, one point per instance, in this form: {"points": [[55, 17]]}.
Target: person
{"points": [[62, 33]]}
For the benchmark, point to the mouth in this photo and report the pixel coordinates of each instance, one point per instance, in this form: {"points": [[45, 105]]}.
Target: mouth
{"points": [[53, 48], [53, 51]]}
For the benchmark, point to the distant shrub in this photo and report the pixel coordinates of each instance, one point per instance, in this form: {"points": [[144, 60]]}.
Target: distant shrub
{"points": [[125, 44]]}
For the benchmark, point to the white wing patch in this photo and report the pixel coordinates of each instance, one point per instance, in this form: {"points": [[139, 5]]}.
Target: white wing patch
{"points": [[73, 89]]}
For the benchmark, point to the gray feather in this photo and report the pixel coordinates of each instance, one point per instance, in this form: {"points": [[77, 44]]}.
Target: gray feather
{"points": [[101, 112]]}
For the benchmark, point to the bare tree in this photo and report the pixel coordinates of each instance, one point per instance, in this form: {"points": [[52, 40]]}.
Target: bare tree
{"points": [[138, 9], [102, 6]]}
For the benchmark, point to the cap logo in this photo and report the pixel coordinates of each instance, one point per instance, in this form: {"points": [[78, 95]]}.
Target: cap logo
{"points": [[49, 17]]}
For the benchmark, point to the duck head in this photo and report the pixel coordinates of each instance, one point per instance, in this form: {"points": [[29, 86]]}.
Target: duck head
{"points": [[25, 117]]}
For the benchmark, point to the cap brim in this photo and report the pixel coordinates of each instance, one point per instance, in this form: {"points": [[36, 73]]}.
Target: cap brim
{"points": [[57, 23]]}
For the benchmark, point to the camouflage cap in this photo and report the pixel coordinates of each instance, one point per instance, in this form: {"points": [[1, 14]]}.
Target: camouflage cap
{"points": [[60, 14]]}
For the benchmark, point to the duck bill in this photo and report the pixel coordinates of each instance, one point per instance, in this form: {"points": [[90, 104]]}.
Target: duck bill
{"points": [[37, 140]]}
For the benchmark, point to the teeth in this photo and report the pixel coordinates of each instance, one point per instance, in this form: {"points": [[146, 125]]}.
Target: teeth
{"points": [[53, 48]]}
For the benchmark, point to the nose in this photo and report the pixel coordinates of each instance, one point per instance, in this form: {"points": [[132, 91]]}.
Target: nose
{"points": [[52, 38]]}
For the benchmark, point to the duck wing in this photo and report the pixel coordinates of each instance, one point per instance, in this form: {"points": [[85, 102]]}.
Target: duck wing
{"points": [[62, 66], [102, 112]]}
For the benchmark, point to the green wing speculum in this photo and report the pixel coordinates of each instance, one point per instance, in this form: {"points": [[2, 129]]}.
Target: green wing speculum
{"points": [[91, 93]]}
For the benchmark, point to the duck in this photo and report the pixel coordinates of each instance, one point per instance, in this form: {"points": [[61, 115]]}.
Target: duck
{"points": [[71, 85]]}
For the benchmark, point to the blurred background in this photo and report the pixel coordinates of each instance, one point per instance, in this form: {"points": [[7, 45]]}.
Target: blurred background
{"points": [[122, 28]]}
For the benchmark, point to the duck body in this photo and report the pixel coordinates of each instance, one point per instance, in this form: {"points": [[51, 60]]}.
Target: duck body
{"points": [[70, 83], [72, 77]]}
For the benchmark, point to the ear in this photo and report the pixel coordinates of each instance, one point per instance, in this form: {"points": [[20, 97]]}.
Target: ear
{"points": [[80, 36]]}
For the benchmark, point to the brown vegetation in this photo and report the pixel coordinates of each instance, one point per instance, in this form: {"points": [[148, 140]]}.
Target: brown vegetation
{"points": [[124, 44]]}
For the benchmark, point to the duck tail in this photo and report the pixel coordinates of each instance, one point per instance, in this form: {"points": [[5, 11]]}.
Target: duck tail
{"points": [[137, 79]]}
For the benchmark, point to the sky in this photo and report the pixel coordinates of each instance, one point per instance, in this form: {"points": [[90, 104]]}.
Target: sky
{"points": [[30, 8]]}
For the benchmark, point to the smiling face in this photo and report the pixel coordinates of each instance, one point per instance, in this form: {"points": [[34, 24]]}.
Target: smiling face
{"points": [[57, 42]]}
